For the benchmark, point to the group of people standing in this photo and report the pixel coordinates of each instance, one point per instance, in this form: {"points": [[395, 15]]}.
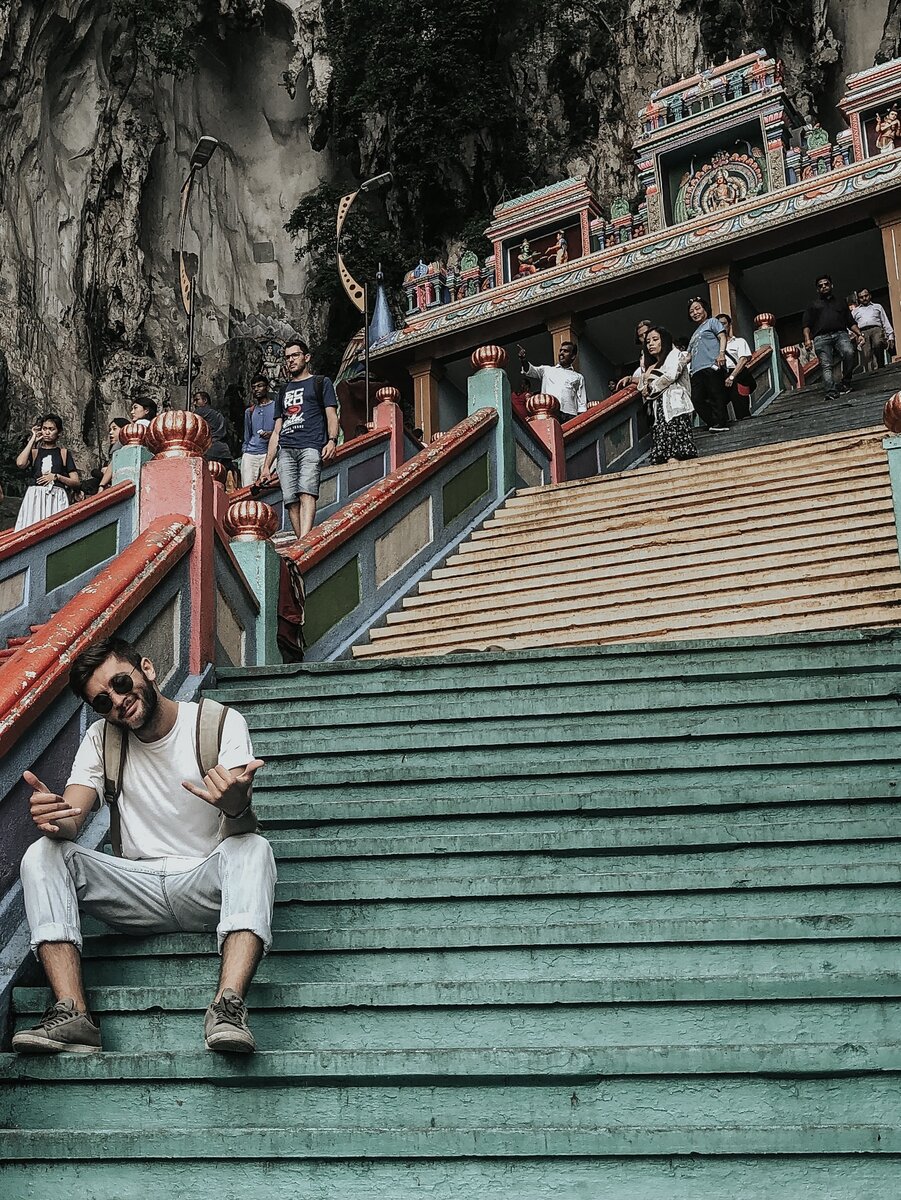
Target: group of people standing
{"points": [[296, 429], [702, 376]]}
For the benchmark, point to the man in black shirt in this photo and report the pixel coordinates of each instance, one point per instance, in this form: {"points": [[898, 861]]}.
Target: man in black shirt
{"points": [[826, 323]]}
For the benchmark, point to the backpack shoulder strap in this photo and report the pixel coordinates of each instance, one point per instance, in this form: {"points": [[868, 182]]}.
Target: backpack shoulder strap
{"points": [[115, 750], [208, 733], [319, 386]]}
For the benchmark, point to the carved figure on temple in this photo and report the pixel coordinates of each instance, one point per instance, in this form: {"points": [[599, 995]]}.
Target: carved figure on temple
{"points": [[559, 251], [425, 292], [888, 131], [489, 273], [724, 193], [526, 259]]}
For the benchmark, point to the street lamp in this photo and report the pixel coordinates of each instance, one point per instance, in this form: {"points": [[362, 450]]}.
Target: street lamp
{"points": [[201, 155], [359, 295]]}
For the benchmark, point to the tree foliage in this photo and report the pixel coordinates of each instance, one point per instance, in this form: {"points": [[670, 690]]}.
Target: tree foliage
{"points": [[163, 33]]}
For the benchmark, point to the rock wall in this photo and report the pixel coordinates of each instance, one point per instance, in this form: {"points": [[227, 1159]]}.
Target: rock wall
{"points": [[94, 149]]}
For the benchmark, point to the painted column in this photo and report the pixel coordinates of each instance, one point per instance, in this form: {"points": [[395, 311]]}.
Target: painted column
{"points": [[890, 226], [387, 414], [563, 329], [490, 388], [425, 376], [177, 481], [251, 524], [721, 283]]}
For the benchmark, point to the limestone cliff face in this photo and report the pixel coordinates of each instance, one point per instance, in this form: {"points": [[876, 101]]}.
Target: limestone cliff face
{"points": [[94, 148]]}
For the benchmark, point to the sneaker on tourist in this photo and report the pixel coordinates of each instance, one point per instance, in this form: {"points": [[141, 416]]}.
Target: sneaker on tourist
{"points": [[719, 428], [62, 1028], [225, 1025], [830, 395], [844, 389]]}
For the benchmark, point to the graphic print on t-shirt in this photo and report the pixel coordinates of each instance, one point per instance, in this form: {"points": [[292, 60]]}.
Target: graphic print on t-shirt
{"points": [[303, 414]]}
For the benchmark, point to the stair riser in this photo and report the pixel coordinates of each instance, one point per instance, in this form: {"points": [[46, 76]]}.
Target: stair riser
{"points": [[835, 1177], [722, 1028], [759, 1107], [542, 964], [575, 698]]}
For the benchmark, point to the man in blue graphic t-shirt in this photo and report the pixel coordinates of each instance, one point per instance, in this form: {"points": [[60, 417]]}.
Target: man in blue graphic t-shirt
{"points": [[304, 435]]}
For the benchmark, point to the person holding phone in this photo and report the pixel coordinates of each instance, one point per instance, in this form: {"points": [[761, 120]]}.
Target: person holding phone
{"points": [[51, 470]]}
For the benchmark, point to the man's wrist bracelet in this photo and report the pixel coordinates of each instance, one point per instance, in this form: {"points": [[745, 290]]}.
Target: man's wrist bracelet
{"points": [[246, 809]]}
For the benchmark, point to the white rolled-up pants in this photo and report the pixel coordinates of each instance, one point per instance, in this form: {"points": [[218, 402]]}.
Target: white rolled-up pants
{"points": [[231, 889]]}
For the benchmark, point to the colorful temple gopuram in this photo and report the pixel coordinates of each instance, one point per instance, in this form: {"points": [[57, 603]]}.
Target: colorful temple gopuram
{"points": [[738, 197]]}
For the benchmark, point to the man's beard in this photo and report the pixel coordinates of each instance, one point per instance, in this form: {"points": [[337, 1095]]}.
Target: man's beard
{"points": [[147, 700]]}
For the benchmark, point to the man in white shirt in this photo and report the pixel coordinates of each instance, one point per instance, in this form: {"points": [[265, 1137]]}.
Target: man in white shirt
{"points": [[876, 329], [738, 355], [181, 863], [561, 381]]}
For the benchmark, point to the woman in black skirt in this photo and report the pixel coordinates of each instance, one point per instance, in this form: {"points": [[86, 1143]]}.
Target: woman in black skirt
{"points": [[667, 384]]}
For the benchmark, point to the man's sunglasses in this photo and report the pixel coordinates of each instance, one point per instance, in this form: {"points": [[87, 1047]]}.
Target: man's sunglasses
{"points": [[122, 685]]}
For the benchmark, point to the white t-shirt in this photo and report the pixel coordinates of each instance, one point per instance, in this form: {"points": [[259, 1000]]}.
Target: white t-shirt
{"points": [[568, 387], [159, 819], [736, 348]]}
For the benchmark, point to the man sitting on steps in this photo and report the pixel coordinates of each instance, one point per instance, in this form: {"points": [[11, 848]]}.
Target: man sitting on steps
{"points": [[178, 779]]}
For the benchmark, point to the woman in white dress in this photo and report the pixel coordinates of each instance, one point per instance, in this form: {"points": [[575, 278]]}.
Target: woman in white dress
{"points": [[666, 382], [51, 469]]}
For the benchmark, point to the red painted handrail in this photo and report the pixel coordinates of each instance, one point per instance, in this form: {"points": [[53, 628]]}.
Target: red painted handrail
{"points": [[357, 514], [38, 671], [15, 540]]}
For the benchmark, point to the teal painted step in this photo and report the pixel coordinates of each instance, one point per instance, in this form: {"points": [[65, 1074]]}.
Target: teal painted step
{"points": [[763, 1114], [664, 1030], [284, 806], [636, 921], [689, 1177], [705, 964]]}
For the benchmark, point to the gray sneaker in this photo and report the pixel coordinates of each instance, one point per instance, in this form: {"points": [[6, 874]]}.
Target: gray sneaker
{"points": [[225, 1025], [61, 1028]]}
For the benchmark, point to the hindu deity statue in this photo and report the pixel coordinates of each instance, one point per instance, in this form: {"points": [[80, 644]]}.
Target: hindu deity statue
{"points": [[526, 259], [888, 131]]}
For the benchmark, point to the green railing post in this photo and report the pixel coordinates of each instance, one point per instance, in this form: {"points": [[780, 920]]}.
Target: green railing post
{"points": [[892, 446], [251, 524], [490, 388]]}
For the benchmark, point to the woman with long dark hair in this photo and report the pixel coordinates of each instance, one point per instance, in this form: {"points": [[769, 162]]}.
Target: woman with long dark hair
{"points": [[707, 347], [667, 384], [51, 470]]}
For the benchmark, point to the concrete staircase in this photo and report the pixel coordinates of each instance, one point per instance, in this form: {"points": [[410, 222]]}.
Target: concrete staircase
{"points": [[799, 535], [617, 922]]}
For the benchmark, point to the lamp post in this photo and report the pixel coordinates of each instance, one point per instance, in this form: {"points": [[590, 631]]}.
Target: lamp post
{"points": [[358, 294], [201, 155]]}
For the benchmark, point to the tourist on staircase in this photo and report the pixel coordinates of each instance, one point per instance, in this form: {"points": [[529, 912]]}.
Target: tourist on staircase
{"points": [[826, 323], [51, 469], [259, 419], [738, 380], [641, 330], [142, 412], [219, 450], [875, 328], [304, 435], [666, 382], [707, 347], [105, 480], [178, 780], [562, 381]]}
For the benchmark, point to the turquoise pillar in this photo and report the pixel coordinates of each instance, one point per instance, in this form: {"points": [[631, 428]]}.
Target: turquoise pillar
{"points": [[127, 462], [490, 388], [260, 563], [893, 453]]}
